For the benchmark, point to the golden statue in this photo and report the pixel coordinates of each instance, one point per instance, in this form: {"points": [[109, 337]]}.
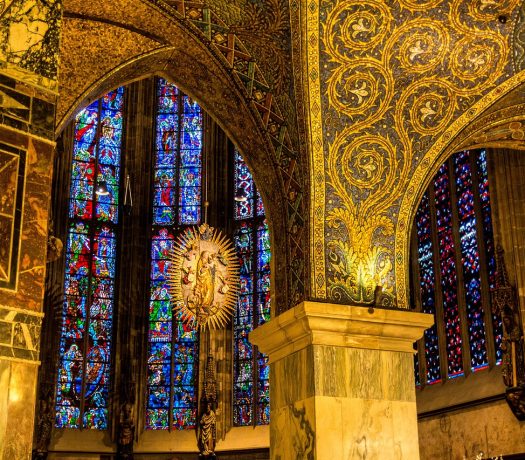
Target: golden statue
{"points": [[204, 277], [204, 290]]}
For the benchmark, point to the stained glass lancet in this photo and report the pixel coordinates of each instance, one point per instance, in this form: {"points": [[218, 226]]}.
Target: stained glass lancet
{"points": [[251, 390], [448, 272], [488, 238], [470, 260], [172, 346], [86, 334], [427, 288]]}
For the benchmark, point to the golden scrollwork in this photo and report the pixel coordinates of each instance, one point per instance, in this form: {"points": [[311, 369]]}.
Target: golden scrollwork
{"points": [[361, 90], [420, 5], [363, 25], [486, 10], [394, 86], [421, 48], [478, 60]]}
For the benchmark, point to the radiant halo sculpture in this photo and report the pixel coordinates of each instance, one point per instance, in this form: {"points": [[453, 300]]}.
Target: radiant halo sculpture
{"points": [[204, 277]]}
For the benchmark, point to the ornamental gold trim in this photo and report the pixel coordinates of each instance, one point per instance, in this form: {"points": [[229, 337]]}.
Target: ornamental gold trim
{"points": [[316, 148]]}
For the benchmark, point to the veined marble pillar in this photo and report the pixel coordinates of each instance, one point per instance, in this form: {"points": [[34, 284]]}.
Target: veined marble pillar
{"points": [[342, 382], [26, 160]]}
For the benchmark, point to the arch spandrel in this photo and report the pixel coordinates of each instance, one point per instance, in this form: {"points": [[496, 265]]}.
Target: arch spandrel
{"points": [[386, 82], [496, 120]]}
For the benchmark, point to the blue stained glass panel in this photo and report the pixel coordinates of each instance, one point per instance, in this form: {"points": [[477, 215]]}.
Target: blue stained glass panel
{"points": [[84, 152], [159, 374], [114, 100], [252, 243], [90, 268], [157, 418], [470, 260], [488, 238], [427, 288], [177, 194], [168, 104], [189, 215], [260, 205]]}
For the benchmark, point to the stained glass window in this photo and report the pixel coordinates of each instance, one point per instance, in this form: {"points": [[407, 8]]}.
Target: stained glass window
{"points": [[470, 260], [427, 286], [172, 346], [488, 238], [454, 227], [447, 261], [251, 390], [86, 334]]}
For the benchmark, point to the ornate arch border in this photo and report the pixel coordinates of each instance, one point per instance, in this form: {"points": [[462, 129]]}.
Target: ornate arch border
{"points": [[427, 168], [147, 64], [247, 81]]}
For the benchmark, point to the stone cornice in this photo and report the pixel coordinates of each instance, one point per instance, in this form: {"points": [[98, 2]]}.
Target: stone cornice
{"points": [[316, 323]]}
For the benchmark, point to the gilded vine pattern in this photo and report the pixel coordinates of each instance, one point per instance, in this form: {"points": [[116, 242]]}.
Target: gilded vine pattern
{"points": [[394, 77]]}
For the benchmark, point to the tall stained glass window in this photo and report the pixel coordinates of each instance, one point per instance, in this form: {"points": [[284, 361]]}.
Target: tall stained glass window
{"points": [[456, 252], [490, 256], [251, 391], [86, 333], [470, 260], [447, 264], [427, 284], [172, 346]]}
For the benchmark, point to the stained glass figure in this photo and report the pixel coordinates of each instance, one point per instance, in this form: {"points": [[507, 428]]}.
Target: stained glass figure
{"points": [[177, 179], [447, 253], [470, 260], [86, 334], [251, 386]]}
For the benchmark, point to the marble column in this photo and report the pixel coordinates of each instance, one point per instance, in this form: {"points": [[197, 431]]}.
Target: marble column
{"points": [[29, 35], [342, 382], [26, 159]]}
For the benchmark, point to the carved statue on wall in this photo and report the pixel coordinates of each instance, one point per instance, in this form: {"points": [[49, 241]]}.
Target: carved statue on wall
{"points": [[126, 433], [512, 345], [126, 426], [54, 248], [207, 433], [207, 429], [44, 427], [505, 304]]}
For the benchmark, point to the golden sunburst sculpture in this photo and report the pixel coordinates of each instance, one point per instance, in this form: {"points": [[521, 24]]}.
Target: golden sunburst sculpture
{"points": [[204, 277]]}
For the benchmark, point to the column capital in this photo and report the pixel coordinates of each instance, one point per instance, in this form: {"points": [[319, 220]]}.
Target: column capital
{"points": [[350, 326]]}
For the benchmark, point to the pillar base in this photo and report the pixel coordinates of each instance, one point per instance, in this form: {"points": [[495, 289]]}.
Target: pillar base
{"points": [[342, 382]]}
